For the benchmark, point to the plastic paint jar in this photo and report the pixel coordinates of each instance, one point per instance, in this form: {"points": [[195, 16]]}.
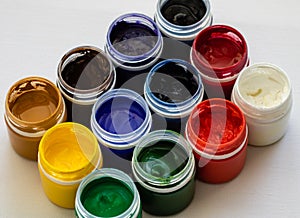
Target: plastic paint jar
{"points": [[218, 133], [67, 153], [263, 92], [84, 73], [32, 106], [108, 192], [219, 52], [119, 119], [164, 167], [172, 89], [134, 43]]}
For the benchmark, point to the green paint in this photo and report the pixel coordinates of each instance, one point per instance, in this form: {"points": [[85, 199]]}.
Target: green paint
{"points": [[163, 159], [106, 197]]}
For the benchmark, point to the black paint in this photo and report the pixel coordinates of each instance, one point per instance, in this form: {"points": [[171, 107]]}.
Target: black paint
{"points": [[173, 83], [183, 12], [87, 70]]}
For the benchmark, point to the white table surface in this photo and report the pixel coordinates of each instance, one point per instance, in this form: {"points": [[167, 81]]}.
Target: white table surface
{"points": [[35, 34]]}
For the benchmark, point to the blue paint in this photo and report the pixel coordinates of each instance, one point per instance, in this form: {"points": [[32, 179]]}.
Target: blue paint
{"points": [[120, 115], [119, 119]]}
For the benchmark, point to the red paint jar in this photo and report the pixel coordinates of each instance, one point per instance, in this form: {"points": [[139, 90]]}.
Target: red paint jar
{"points": [[217, 132], [219, 52]]}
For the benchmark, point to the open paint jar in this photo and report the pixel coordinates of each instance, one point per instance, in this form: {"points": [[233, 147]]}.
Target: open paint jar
{"points": [[67, 153], [172, 89], [84, 73], [219, 52], [134, 44], [263, 92], [164, 168], [32, 106], [108, 192], [119, 119], [217, 131], [182, 19]]}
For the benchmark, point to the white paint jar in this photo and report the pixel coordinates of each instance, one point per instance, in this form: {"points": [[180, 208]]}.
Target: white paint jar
{"points": [[263, 92]]}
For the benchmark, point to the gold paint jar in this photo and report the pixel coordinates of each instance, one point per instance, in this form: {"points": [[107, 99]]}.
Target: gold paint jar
{"points": [[32, 105]]}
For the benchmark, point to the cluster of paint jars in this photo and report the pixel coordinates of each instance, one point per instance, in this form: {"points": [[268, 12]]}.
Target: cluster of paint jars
{"points": [[169, 99]]}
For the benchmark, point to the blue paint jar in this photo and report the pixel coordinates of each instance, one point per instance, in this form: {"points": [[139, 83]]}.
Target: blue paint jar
{"points": [[134, 44], [119, 119], [172, 89]]}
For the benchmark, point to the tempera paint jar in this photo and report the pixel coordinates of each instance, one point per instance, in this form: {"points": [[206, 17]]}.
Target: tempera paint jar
{"points": [[108, 192], [218, 134], [219, 52], [134, 43], [67, 153], [119, 119], [263, 92], [179, 22], [84, 73], [172, 89], [163, 166], [32, 106]]}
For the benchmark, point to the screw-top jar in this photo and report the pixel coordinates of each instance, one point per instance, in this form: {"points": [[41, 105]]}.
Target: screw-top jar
{"points": [[172, 89], [217, 131], [219, 52], [108, 192], [164, 168], [264, 94], [134, 43], [67, 153], [84, 73], [32, 106], [119, 119]]}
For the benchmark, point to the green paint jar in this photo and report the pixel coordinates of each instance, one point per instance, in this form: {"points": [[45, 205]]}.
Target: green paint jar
{"points": [[163, 166], [107, 192]]}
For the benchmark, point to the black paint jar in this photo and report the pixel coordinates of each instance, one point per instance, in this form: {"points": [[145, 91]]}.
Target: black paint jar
{"points": [[84, 73]]}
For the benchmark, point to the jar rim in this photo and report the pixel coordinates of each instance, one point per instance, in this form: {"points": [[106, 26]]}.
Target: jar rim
{"points": [[93, 162], [212, 148], [23, 123], [219, 72]]}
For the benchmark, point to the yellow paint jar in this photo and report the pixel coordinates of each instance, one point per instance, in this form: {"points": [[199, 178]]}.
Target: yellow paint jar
{"points": [[67, 153]]}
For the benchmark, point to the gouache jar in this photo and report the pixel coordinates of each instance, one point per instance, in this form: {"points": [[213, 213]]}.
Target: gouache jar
{"points": [[119, 119], [134, 43], [218, 133], [263, 92], [219, 52], [67, 153], [84, 73], [108, 192], [182, 20], [163, 166], [172, 89], [32, 106]]}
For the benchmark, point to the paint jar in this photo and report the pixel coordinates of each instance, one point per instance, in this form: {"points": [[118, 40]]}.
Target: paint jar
{"points": [[84, 73], [119, 119], [67, 153], [218, 133], [134, 43], [164, 167], [263, 92], [32, 106], [219, 52], [183, 19], [172, 89], [108, 192]]}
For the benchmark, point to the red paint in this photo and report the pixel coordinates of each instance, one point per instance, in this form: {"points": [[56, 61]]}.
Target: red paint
{"points": [[216, 129], [219, 52]]}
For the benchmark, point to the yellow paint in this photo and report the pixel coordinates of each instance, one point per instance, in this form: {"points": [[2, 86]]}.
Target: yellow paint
{"points": [[67, 153]]}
